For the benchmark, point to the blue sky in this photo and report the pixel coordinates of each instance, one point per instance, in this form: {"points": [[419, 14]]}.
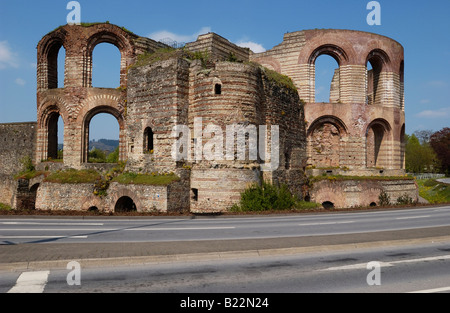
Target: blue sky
{"points": [[422, 27]]}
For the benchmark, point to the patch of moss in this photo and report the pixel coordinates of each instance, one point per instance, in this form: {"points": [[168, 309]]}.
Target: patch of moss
{"points": [[5, 207], [279, 79], [147, 179], [72, 176], [161, 54]]}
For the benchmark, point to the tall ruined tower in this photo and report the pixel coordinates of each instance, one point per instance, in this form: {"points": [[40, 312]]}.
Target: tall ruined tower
{"points": [[77, 102], [361, 130]]}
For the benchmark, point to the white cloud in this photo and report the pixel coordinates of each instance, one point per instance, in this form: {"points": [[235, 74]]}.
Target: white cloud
{"points": [[20, 82], [437, 83], [255, 47], [440, 113], [164, 34], [7, 57]]}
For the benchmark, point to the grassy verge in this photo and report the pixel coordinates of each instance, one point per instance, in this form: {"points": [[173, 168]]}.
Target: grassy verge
{"points": [[5, 207], [434, 191], [72, 176], [146, 179]]}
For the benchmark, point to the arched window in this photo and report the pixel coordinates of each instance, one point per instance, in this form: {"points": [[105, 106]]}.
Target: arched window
{"points": [[101, 142], [148, 140], [61, 67], [402, 84], [56, 55], [105, 66], [55, 136], [402, 147], [106, 63], [325, 142], [377, 144], [376, 60], [325, 78]]}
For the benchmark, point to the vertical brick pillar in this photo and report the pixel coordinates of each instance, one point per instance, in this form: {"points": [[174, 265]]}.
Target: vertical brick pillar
{"points": [[353, 83]]}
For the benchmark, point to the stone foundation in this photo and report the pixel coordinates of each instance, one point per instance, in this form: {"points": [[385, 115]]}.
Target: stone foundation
{"points": [[80, 197], [361, 193]]}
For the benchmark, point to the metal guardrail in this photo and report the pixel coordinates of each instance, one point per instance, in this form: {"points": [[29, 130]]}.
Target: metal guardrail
{"points": [[426, 175]]}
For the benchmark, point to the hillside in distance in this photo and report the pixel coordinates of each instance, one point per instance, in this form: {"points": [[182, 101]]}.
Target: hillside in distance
{"points": [[107, 145]]}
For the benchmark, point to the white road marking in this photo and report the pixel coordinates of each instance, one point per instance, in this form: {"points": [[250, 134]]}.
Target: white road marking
{"points": [[432, 290], [59, 229], [387, 264], [43, 237], [180, 228], [326, 223], [412, 217], [51, 224], [30, 282]]}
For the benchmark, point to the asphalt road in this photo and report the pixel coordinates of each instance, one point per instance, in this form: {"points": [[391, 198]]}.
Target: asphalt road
{"points": [[43, 230], [400, 269], [270, 254]]}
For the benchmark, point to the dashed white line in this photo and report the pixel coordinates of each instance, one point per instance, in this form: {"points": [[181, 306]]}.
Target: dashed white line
{"points": [[30, 282], [412, 217], [435, 290], [326, 223], [179, 228], [43, 237], [52, 224], [387, 264]]}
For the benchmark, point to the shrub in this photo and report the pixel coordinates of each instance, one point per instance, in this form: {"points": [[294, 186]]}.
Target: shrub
{"points": [[405, 199], [384, 199], [266, 197]]}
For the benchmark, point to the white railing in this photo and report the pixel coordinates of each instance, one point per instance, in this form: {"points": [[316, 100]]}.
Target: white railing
{"points": [[426, 175]]}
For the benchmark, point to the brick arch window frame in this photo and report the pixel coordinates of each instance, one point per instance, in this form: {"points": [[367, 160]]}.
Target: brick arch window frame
{"points": [[336, 52]]}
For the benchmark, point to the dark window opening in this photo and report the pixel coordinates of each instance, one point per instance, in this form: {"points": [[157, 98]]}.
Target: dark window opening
{"points": [[55, 126], [194, 194], [287, 158], [125, 204], [148, 140], [218, 89], [328, 205]]}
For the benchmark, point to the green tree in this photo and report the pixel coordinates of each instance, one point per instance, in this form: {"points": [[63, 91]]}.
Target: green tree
{"points": [[440, 142], [97, 156], [113, 157], [420, 158]]}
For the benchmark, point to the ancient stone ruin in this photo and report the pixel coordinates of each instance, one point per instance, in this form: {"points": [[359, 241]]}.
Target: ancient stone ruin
{"points": [[213, 96]]}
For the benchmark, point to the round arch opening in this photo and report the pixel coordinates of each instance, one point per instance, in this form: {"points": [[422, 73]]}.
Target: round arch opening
{"points": [[328, 205], [99, 145], [125, 204]]}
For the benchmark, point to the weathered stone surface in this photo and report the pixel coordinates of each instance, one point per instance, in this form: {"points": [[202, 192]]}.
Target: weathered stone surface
{"points": [[360, 132], [361, 193]]}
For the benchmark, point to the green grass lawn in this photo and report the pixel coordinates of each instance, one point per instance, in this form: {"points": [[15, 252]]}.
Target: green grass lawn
{"points": [[4, 207], [434, 191], [146, 179]]}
